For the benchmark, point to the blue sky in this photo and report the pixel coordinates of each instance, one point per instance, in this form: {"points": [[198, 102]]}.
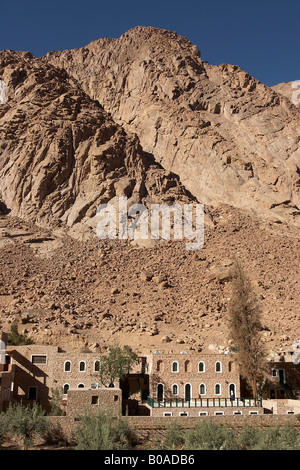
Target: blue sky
{"points": [[262, 37]]}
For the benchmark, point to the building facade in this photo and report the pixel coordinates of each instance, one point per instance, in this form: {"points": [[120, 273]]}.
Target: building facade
{"points": [[195, 375], [162, 384]]}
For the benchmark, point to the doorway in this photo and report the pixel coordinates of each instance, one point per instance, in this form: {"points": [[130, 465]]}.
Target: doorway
{"points": [[187, 392], [160, 392]]}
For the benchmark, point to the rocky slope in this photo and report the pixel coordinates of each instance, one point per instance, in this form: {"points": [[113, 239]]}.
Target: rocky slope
{"points": [[97, 293], [230, 138], [290, 89]]}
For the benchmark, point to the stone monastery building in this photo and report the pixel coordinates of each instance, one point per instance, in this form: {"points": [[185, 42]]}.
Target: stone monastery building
{"points": [[184, 384]]}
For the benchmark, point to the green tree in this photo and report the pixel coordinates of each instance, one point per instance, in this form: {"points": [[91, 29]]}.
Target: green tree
{"points": [[210, 436], [26, 422], [3, 427], [15, 338], [103, 432], [174, 436], [248, 437], [56, 401], [116, 365], [244, 316], [284, 437]]}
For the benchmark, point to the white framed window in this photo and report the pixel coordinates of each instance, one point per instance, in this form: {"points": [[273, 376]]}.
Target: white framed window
{"points": [[67, 366], [219, 413], [290, 412], [183, 413], [80, 386], [82, 366], [218, 366], [237, 412], [175, 366], [39, 359], [253, 412], [202, 389], [168, 413], [203, 413], [175, 389], [201, 366], [97, 365], [217, 389], [66, 388]]}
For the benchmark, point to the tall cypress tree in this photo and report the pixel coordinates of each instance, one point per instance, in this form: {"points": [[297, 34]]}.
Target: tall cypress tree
{"points": [[244, 316]]}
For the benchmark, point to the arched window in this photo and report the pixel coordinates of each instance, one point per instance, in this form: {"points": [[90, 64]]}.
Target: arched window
{"points": [[201, 366], [97, 366], [175, 389], [218, 366], [67, 366], [175, 366], [159, 366], [80, 386], [217, 389], [82, 366], [66, 388], [202, 389], [187, 366]]}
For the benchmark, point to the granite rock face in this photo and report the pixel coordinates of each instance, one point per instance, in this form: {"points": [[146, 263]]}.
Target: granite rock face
{"points": [[61, 154], [228, 137]]}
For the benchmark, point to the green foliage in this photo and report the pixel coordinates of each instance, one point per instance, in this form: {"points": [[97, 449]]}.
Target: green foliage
{"points": [[278, 438], [26, 422], [174, 436], [56, 402], [210, 436], [103, 432], [248, 437], [15, 338], [117, 364], [3, 427]]}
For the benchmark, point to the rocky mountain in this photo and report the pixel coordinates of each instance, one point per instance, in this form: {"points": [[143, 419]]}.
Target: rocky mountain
{"points": [[62, 155], [145, 117], [290, 89], [230, 138]]}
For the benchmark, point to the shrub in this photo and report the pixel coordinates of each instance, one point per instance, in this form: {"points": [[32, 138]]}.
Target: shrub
{"points": [[174, 436], [248, 437], [3, 427], [210, 436], [26, 422], [103, 432], [278, 438], [15, 338]]}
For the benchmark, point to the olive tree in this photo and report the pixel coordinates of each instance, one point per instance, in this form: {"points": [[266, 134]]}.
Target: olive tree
{"points": [[116, 365]]}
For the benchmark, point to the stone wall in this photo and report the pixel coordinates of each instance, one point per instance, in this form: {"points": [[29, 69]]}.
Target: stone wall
{"points": [[108, 400]]}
